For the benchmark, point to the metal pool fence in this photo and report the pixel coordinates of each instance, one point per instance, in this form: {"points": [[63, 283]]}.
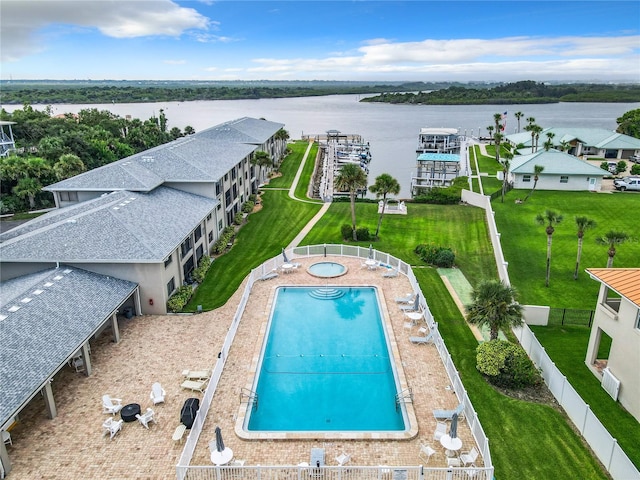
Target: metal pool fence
{"points": [[263, 472]]}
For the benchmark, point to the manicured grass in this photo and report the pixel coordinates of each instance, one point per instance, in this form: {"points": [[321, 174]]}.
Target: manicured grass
{"points": [[462, 228], [491, 184], [524, 243], [289, 166], [305, 178], [567, 345]]}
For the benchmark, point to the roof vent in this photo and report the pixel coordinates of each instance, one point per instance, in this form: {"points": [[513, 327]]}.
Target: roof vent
{"points": [[58, 277], [37, 292], [26, 300], [14, 308], [147, 158], [67, 271], [116, 208], [48, 284], [2, 317]]}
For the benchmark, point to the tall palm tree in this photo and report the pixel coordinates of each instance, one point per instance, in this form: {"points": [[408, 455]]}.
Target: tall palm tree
{"points": [[537, 170], [384, 185], [518, 116], [490, 129], [497, 118], [351, 178], [612, 238], [583, 224], [497, 140], [261, 159], [506, 164], [550, 219], [494, 305], [537, 130]]}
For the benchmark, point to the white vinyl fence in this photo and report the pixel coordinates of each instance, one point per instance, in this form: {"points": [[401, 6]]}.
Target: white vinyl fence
{"points": [[599, 439], [208, 472]]}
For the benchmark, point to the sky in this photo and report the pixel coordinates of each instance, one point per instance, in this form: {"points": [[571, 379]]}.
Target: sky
{"points": [[320, 40]]}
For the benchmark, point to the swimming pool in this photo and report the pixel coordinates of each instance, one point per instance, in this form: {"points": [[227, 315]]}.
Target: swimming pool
{"points": [[327, 269], [326, 368]]}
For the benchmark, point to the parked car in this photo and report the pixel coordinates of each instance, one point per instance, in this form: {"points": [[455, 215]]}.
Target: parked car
{"points": [[634, 158], [612, 167], [627, 183]]}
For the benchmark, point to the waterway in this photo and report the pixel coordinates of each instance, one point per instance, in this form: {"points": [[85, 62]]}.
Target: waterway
{"points": [[392, 130]]}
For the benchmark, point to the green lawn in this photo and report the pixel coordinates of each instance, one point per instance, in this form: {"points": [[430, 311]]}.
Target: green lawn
{"points": [[567, 345], [524, 243], [441, 225]]}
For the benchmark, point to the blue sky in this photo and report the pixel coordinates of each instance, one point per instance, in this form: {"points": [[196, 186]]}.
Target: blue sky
{"points": [[320, 40]]}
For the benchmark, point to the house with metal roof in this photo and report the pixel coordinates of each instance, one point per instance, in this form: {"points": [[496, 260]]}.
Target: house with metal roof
{"points": [[582, 142], [214, 163], [617, 316], [561, 172], [153, 239], [47, 319]]}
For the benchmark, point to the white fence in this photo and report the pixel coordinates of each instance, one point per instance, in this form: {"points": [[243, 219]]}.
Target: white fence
{"points": [[599, 439], [208, 472]]}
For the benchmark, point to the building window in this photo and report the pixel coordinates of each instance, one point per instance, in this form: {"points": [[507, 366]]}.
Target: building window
{"points": [[186, 247], [526, 178], [209, 217], [198, 232], [171, 286], [220, 225], [638, 320], [210, 237], [68, 196], [564, 178], [218, 188], [226, 177], [233, 174], [168, 261], [219, 207], [227, 198]]}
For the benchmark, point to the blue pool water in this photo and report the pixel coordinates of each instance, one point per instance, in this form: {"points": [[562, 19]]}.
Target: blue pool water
{"points": [[325, 364], [327, 269]]}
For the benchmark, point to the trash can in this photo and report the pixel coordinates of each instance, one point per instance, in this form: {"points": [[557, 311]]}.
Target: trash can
{"points": [[128, 312]]}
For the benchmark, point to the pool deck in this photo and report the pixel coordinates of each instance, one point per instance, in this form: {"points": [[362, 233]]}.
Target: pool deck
{"points": [[158, 348]]}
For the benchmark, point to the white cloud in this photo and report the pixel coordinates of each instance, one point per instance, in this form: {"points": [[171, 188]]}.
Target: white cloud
{"points": [[22, 20], [175, 62]]}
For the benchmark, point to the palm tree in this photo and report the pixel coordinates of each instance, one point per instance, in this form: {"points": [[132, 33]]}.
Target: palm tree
{"points": [[549, 218], [28, 187], [384, 185], [494, 305], [506, 163], [612, 238], [536, 130], [352, 178], [537, 170], [69, 165], [497, 139], [261, 159], [583, 224], [490, 129], [518, 116], [497, 118], [565, 146]]}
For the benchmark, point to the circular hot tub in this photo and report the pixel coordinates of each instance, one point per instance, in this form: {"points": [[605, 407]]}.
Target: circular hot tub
{"points": [[327, 269]]}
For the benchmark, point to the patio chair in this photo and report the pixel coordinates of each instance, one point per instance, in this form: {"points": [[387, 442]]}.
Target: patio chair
{"points": [[111, 427], [269, 275], [342, 459], [422, 340], [448, 414], [408, 298], [146, 417], [203, 374], [237, 463], [469, 458], [111, 405], [391, 273], [425, 452], [441, 429], [196, 385], [157, 393]]}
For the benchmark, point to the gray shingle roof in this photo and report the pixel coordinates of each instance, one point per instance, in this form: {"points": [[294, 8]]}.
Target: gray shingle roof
{"points": [[122, 227], [204, 157], [554, 163], [44, 332]]}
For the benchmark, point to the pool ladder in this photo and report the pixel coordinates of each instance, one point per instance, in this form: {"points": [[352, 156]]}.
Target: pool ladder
{"points": [[249, 396], [405, 396]]}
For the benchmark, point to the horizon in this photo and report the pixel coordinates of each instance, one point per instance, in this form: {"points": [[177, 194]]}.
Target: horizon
{"points": [[367, 41]]}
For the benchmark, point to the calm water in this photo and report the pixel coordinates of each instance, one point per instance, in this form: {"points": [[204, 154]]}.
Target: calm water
{"points": [[392, 130], [326, 365]]}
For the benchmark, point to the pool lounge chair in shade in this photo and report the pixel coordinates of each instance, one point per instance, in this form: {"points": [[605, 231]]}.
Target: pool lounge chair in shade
{"points": [[422, 340], [408, 298], [448, 414], [391, 273]]}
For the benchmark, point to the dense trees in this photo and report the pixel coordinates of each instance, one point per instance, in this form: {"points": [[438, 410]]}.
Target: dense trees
{"points": [[629, 123], [51, 148]]}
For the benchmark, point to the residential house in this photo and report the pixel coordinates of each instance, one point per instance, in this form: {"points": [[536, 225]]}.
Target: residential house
{"points": [[617, 316], [561, 172]]}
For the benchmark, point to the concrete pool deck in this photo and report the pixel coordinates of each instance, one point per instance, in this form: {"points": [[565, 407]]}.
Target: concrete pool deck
{"points": [[159, 348]]}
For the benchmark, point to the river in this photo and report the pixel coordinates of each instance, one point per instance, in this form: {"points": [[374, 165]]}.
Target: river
{"points": [[392, 130]]}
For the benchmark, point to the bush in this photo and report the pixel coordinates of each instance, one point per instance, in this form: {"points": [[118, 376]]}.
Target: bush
{"points": [[201, 271], [604, 166], [346, 231], [506, 365], [180, 298], [445, 258], [226, 237], [434, 255], [238, 219], [621, 166], [635, 169], [247, 207], [362, 234]]}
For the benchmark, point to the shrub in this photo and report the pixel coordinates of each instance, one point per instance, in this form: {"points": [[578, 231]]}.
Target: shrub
{"points": [[621, 166], [445, 258], [201, 271], [346, 231], [635, 169], [506, 365], [362, 234], [604, 166], [434, 255], [247, 207], [180, 298], [226, 237], [238, 219]]}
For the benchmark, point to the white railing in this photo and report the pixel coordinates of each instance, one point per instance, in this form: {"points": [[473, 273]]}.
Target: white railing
{"points": [[186, 471]]}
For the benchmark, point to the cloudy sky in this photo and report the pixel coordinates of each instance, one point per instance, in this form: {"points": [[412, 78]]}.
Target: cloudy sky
{"points": [[324, 40]]}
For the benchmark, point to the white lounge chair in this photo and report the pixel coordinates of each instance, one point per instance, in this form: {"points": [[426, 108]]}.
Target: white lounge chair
{"points": [[468, 458], [342, 459], [391, 273], [111, 405], [408, 298], [196, 385], [422, 340], [111, 427], [196, 374], [425, 452], [448, 414], [269, 275], [157, 393], [146, 417], [441, 429]]}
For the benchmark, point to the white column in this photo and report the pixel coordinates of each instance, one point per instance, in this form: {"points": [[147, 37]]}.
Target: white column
{"points": [[49, 401]]}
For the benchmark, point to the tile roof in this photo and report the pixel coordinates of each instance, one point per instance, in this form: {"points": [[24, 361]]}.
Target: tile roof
{"points": [[554, 163], [625, 281], [67, 305], [203, 157], [120, 227]]}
